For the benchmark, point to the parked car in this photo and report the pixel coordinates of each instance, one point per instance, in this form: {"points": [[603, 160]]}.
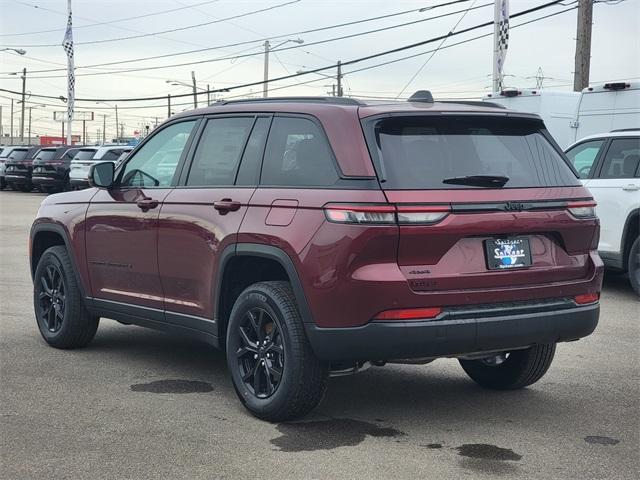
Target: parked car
{"points": [[609, 165], [51, 168], [88, 156], [4, 154], [17, 168], [316, 236]]}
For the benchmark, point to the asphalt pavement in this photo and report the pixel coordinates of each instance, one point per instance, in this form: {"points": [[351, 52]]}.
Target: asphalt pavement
{"points": [[140, 404]]}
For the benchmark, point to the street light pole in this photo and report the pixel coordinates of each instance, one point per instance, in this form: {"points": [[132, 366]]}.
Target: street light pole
{"points": [[24, 84], [11, 131], [117, 127], [339, 80], [265, 85], [195, 91]]}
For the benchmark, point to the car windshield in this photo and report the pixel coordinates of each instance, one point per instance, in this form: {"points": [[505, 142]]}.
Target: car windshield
{"points": [[437, 152], [46, 155], [85, 154], [18, 154]]}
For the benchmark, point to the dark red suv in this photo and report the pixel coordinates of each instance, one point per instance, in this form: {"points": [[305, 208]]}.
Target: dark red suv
{"points": [[317, 236]]}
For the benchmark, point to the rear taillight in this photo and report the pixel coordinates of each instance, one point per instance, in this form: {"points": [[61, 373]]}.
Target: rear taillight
{"points": [[409, 314], [418, 214], [582, 209], [384, 214], [586, 298], [371, 214]]}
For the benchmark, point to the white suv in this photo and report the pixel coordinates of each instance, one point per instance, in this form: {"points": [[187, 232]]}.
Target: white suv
{"points": [[87, 156], [609, 165]]}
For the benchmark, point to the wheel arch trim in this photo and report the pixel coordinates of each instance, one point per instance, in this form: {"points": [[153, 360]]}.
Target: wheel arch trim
{"points": [[263, 251], [62, 232]]}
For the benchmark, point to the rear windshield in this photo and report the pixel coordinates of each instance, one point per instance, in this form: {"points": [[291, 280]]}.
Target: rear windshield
{"points": [[18, 155], [415, 153], [46, 155], [85, 154]]}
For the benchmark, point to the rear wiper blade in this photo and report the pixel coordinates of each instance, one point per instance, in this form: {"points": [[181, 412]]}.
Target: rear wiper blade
{"points": [[478, 180]]}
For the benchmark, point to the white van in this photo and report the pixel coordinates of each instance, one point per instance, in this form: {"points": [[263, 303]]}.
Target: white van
{"points": [[87, 156], [570, 116]]}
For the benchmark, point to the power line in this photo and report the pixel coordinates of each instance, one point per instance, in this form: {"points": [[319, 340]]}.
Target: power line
{"points": [[119, 20], [349, 62], [413, 77], [237, 56], [178, 29], [291, 34]]}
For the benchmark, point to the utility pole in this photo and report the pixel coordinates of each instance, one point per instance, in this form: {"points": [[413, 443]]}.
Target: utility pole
{"points": [[11, 131], [168, 105], [62, 123], [117, 127], [208, 95], [1, 132], [29, 131], [265, 85], [122, 130], [195, 89], [583, 45], [84, 131], [24, 86], [339, 78], [104, 128]]}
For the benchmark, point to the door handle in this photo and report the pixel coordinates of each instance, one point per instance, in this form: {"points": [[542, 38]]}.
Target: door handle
{"points": [[147, 204], [631, 187], [226, 205]]}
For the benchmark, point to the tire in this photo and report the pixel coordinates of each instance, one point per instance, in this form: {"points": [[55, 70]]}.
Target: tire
{"points": [[3, 184], [25, 188], [633, 266], [520, 369], [303, 379], [69, 325]]}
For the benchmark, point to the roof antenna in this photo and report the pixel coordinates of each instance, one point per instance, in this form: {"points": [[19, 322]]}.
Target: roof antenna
{"points": [[421, 96]]}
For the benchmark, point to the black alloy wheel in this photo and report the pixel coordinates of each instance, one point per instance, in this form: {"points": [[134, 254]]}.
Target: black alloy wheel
{"points": [[51, 298], [260, 355]]}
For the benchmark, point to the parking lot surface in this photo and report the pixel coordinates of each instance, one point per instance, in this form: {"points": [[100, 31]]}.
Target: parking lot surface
{"points": [[141, 404]]}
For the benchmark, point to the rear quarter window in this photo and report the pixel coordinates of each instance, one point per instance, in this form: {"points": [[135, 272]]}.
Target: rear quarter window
{"points": [[297, 155]]}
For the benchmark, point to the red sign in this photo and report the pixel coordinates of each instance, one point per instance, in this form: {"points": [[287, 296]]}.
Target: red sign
{"points": [[52, 141]]}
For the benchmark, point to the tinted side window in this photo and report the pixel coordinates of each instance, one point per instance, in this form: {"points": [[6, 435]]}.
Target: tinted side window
{"points": [[297, 154], [622, 158], [249, 172], [584, 155], [155, 163], [111, 155], [219, 149]]}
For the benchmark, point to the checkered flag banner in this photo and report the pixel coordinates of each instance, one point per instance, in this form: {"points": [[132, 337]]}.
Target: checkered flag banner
{"points": [[502, 40], [67, 44]]}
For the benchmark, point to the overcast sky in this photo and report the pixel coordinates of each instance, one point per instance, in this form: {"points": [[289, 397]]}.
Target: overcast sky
{"points": [[459, 71]]}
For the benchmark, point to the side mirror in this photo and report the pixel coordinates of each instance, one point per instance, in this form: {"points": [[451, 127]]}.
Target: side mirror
{"points": [[101, 174]]}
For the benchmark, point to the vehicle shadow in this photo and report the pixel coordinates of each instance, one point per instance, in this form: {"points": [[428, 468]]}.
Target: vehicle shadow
{"points": [[618, 284], [438, 395]]}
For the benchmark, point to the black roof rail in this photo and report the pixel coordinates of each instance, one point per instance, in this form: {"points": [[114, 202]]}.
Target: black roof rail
{"points": [[475, 103], [421, 96], [626, 130], [328, 100]]}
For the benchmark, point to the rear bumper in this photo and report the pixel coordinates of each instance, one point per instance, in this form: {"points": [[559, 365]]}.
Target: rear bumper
{"points": [[18, 178], [451, 337]]}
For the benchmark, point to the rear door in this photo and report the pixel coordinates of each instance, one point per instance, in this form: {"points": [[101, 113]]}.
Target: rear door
{"points": [[481, 200], [616, 188], [201, 216]]}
